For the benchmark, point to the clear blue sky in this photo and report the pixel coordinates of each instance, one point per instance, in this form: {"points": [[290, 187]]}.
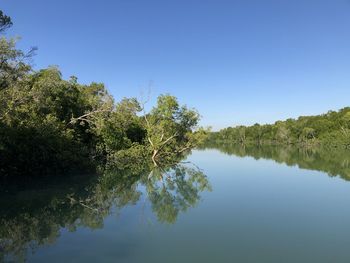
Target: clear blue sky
{"points": [[237, 62]]}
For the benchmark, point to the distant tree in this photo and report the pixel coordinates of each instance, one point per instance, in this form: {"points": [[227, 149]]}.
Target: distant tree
{"points": [[257, 132], [282, 132], [241, 134], [332, 129], [308, 134]]}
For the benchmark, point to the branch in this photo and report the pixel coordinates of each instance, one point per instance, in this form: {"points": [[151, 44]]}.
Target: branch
{"points": [[184, 149], [84, 117], [82, 204], [150, 141], [167, 140], [343, 130]]}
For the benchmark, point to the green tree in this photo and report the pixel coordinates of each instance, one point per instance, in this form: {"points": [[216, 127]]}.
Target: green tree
{"points": [[170, 128]]}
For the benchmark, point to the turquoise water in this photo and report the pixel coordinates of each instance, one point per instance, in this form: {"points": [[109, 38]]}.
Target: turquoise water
{"points": [[243, 205]]}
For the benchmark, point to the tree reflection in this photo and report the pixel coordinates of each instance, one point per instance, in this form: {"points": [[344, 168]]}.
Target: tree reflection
{"points": [[333, 161], [32, 218], [175, 190]]}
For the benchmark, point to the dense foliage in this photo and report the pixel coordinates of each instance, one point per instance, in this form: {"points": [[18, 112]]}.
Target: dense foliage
{"points": [[330, 129], [52, 125]]}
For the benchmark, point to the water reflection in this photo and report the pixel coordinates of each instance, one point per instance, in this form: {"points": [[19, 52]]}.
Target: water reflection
{"points": [[333, 161], [175, 190], [32, 218]]}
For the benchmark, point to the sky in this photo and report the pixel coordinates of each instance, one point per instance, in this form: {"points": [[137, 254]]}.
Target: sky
{"points": [[236, 62]]}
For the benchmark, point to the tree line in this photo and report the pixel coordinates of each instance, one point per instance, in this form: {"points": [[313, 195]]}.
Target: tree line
{"points": [[329, 129], [51, 125]]}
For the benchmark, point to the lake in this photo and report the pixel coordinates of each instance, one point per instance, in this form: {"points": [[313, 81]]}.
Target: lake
{"points": [[225, 203]]}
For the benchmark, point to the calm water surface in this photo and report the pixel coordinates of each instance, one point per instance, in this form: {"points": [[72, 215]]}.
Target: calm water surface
{"points": [[244, 205]]}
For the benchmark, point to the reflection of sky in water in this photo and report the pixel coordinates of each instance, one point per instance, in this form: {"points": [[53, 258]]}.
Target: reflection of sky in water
{"points": [[258, 211]]}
